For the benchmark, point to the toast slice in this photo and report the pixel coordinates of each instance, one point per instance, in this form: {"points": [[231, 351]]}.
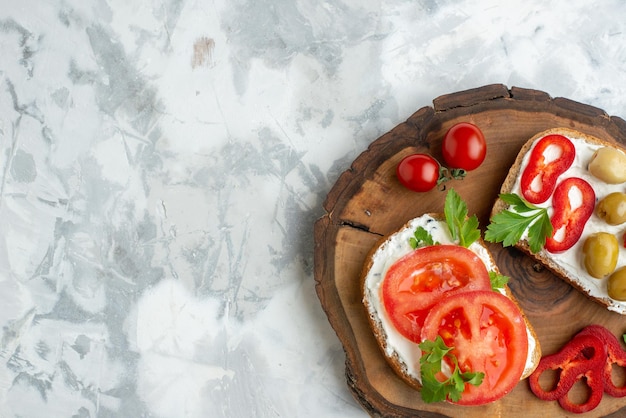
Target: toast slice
{"points": [[569, 265], [402, 354]]}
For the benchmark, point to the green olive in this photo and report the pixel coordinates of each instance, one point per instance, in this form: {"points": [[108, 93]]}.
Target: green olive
{"points": [[613, 208], [609, 165], [616, 285], [600, 254]]}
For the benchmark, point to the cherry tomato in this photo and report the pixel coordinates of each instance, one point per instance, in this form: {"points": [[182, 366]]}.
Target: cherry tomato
{"points": [[551, 156], [417, 281], [418, 172], [488, 334], [464, 146], [573, 202]]}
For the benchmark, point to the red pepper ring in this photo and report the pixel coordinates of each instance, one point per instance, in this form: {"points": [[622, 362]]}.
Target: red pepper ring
{"points": [[594, 380], [540, 175], [568, 221], [574, 361], [615, 355]]}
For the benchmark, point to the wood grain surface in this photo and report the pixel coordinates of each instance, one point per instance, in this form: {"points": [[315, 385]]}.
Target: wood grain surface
{"points": [[367, 202]]}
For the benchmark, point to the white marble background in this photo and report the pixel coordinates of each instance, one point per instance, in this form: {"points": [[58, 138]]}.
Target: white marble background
{"points": [[162, 164]]}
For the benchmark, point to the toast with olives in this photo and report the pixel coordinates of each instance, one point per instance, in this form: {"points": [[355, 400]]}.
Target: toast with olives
{"points": [[598, 172], [400, 353]]}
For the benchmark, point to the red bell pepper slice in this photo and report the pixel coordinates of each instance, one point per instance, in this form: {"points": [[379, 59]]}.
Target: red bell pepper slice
{"points": [[594, 380], [551, 156], [570, 214], [574, 361], [591, 355], [616, 355]]}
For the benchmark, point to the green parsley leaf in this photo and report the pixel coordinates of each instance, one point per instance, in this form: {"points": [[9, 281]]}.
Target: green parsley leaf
{"points": [[473, 378], [518, 202], [434, 351], [463, 229], [434, 390], [624, 337], [421, 238], [498, 280], [508, 226]]}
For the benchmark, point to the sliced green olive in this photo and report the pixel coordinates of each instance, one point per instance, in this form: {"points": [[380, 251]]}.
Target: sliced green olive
{"points": [[613, 208], [600, 254], [616, 284], [609, 165]]}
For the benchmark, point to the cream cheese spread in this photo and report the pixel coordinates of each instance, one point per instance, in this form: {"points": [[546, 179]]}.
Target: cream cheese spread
{"points": [[395, 247], [571, 260]]}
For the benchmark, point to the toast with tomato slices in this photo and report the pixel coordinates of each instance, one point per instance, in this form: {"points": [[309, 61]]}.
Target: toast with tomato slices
{"points": [[564, 187], [397, 342]]}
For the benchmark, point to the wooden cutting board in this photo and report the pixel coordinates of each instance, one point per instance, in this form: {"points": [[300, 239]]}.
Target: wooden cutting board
{"points": [[367, 202]]}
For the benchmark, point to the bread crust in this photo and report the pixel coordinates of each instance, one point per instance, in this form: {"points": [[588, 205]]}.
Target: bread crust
{"points": [[544, 257], [391, 356], [376, 326]]}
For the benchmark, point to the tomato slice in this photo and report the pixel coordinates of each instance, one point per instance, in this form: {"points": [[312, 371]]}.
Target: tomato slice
{"points": [[415, 282], [574, 201], [488, 334], [551, 156]]}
